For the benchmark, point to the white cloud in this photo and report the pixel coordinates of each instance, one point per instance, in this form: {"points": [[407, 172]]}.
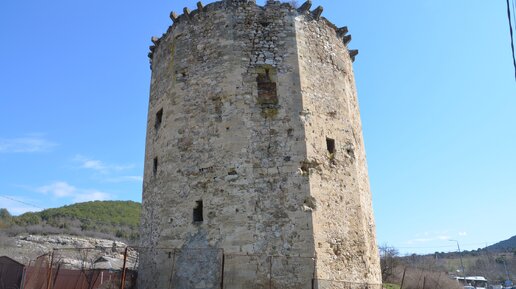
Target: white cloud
{"points": [[124, 179], [100, 166], [58, 189], [94, 165], [91, 196], [28, 144], [64, 190], [429, 237], [463, 234]]}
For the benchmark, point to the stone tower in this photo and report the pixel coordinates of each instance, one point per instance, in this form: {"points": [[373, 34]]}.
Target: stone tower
{"points": [[255, 169]]}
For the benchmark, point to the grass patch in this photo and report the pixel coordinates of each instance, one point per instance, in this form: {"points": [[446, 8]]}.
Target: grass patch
{"points": [[391, 286]]}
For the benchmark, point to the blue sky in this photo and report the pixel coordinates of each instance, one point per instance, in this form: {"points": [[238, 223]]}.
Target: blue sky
{"points": [[436, 89]]}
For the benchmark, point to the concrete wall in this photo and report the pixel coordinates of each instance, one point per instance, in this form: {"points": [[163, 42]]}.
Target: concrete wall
{"points": [[242, 130]]}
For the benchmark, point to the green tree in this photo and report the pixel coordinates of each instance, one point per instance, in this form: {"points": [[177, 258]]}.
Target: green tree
{"points": [[4, 214], [5, 218]]}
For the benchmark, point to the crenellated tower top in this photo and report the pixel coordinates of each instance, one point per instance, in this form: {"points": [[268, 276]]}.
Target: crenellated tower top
{"points": [[304, 10]]}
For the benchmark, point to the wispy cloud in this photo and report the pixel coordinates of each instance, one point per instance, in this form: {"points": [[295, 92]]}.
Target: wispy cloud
{"points": [[124, 179], [58, 189], [99, 166], [27, 144], [428, 237], [463, 234], [64, 190], [91, 195]]}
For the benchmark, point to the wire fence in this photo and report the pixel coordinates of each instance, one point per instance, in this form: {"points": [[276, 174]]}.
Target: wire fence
{"points": [[216, 269], [85, 268], [110, 268], [417, 278]]}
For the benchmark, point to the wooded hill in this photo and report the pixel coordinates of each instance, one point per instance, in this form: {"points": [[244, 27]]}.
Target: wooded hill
{"points": [[504, 246], [106, 219]]}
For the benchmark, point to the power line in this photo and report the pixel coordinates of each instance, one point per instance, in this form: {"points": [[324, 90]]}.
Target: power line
{"points": [[512, 35], [21, 202], [514, 11]]}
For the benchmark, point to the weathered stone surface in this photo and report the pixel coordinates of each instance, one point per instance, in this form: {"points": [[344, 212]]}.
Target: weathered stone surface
{"points": [[341, 32], [259, 120], [317, 12], [26, 248], [305, 7], [347, 39]]}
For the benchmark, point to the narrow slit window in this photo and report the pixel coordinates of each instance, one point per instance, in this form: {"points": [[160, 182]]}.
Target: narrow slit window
{"points": [[197, 212], [155, 166], [330, 145], [267, 90], [159, 119]]}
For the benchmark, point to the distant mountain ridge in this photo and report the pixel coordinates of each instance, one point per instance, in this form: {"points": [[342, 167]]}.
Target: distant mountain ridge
{"points": [[108, 219], [504, 246]]}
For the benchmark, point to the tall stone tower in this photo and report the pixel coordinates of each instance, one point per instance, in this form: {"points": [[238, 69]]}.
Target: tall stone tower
{"points": [[255, 169]]}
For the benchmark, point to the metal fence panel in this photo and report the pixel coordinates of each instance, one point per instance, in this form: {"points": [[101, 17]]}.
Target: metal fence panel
{"points": [[11, 273]]}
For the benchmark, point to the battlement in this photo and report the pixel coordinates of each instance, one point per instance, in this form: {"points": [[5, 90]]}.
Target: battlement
{"points": [[195, 17]]}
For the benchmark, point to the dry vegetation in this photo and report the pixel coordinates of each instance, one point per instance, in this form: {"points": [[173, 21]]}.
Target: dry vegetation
{"points": [[437, 270], [422, 279]]}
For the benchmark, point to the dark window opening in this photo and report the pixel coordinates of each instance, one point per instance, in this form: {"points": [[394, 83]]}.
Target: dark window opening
{"points": [[207, 170], [155, 166], [197, 212], [267, 91], [330, 145], [181, 75], [159, 118]]}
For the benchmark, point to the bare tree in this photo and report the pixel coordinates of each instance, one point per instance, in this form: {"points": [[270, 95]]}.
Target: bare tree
{"points": [[388, 260]]}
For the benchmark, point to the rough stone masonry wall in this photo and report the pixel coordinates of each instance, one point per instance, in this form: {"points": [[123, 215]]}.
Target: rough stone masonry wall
{"points": [[235, 122], [344, 229], [220, 143]]}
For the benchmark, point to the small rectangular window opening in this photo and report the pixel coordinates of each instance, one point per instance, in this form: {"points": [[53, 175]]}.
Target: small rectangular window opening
{"points": [[159, 118], [330, 145], [267, 89], [155, 166], [197, 212]]}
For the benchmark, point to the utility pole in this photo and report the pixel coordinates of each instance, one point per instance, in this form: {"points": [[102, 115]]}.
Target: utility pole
{"points": [[508, 281], [461, 263]]}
